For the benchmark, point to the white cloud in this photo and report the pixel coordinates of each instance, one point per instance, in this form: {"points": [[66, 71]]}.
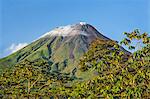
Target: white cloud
{"points": [[15, 47], [69, 30], [82, 23]]}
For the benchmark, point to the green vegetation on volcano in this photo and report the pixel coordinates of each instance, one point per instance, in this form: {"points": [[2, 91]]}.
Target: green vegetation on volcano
{"points": [[104, 71]]}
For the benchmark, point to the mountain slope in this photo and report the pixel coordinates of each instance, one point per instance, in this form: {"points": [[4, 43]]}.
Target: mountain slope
{"points": [[62, 46]]}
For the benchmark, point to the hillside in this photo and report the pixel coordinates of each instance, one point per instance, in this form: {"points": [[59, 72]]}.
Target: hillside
{"points": [[61, 46]]}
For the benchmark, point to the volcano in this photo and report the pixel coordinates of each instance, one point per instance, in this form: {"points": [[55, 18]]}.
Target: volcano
{"points": [[62, 47]]}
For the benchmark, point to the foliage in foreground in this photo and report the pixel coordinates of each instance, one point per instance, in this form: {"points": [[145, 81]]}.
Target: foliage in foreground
{"points": [[119, 74], [30, 80]]}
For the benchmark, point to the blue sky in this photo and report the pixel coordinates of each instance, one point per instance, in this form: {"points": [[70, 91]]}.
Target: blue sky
{"points": [[22, 21]]}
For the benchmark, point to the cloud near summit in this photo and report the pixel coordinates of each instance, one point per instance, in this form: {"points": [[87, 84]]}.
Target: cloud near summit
{"points": [[15, 47]]}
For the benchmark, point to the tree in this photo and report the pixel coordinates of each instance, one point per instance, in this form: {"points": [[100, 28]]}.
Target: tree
{"points": [[120, 75], [25, 80], [31, 80]]}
